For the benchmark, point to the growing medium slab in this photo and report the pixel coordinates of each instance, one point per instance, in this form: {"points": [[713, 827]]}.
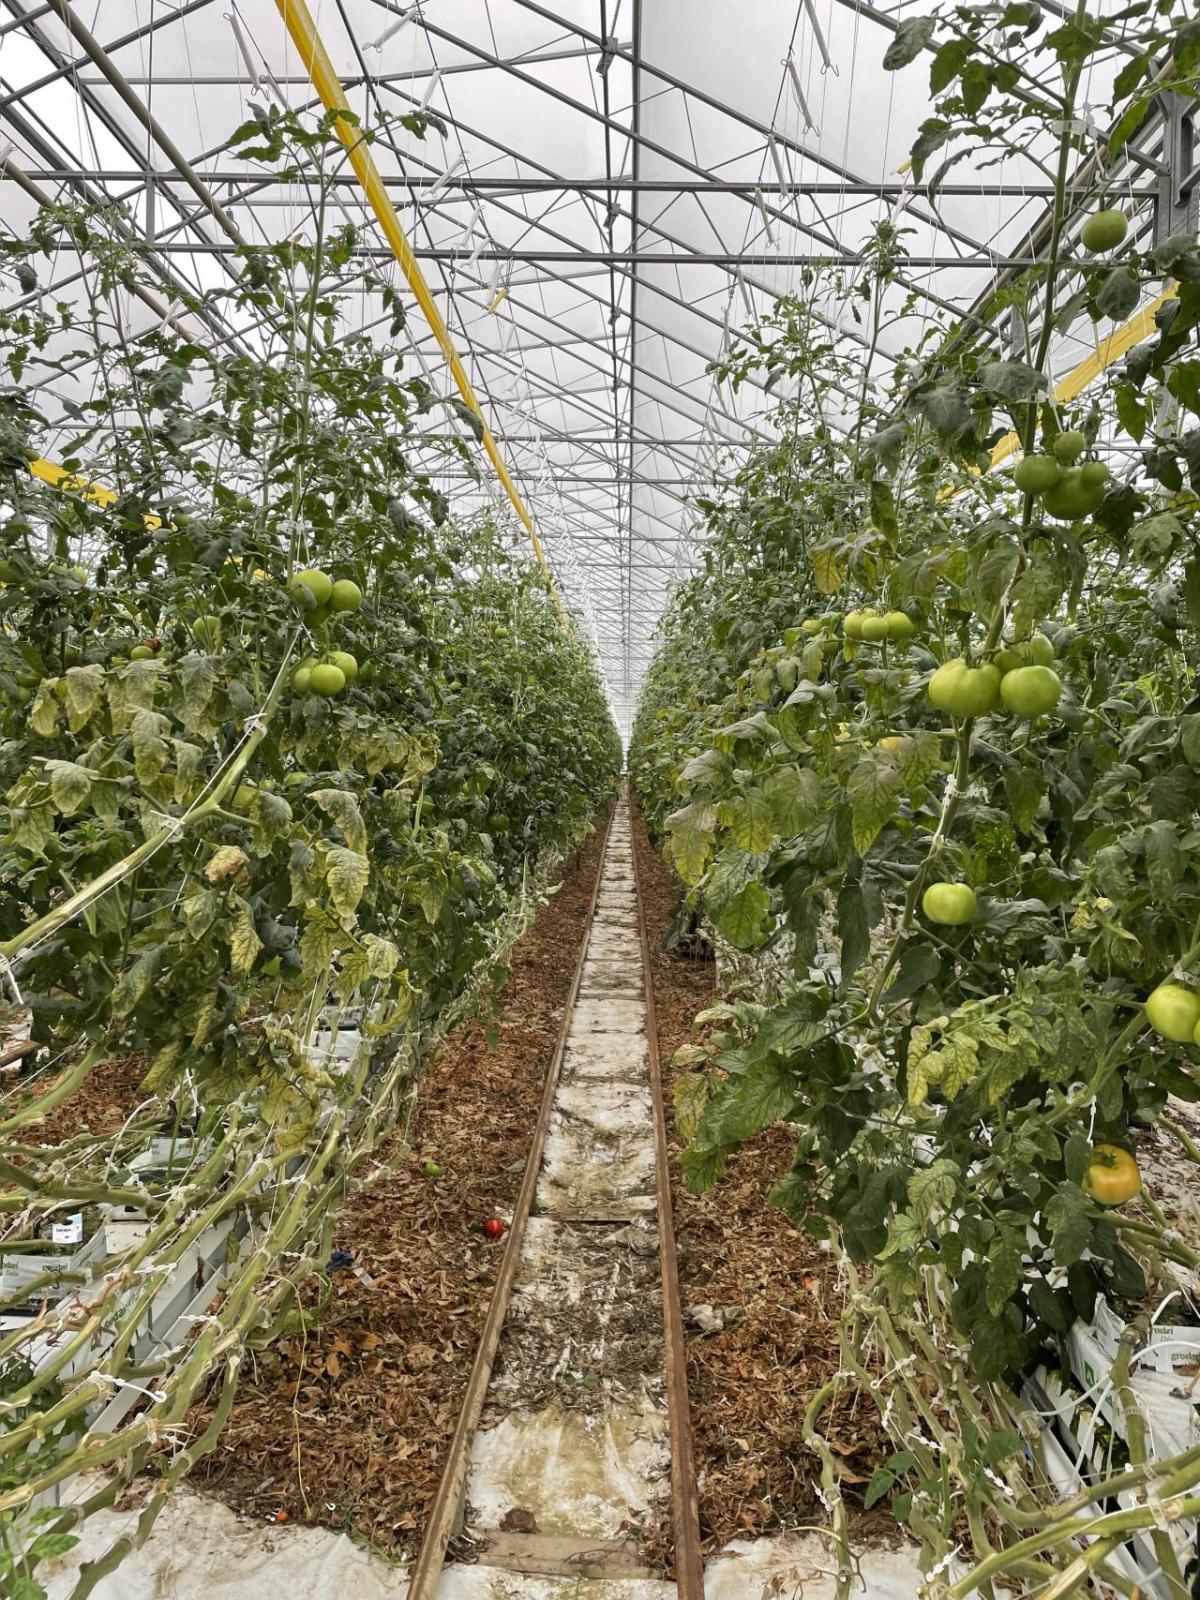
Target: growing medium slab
{"points": [[572, 1472], [599, 1055], [609, 941], [585, 1319], [610, 1015], [493, 1583], [595, 1174]]}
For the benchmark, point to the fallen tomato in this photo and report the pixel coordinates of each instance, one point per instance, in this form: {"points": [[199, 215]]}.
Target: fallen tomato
{"points": [[493, 1227]]}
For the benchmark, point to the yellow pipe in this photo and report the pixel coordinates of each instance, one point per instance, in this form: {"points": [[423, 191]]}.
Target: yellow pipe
{"points": [[59, 478], [313, 54]]}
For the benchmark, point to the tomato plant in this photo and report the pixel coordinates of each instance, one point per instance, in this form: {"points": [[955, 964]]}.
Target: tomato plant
{"points": [[1020, 766], [262, 700]]}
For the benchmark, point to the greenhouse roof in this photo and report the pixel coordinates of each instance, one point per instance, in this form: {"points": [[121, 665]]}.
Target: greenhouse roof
{"points": [[618, 186]]}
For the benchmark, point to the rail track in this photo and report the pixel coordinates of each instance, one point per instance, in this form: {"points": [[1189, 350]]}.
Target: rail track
{"points": [[574, 1426]]}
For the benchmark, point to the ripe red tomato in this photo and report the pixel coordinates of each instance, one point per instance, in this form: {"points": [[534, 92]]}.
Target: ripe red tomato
{"points": [[493, 1227]]}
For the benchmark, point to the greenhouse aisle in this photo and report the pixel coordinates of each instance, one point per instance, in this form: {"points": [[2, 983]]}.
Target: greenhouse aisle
{"points": [[573, 1452]]}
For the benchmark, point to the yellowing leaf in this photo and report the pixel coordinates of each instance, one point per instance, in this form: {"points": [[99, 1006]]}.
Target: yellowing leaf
{"points": [[826, 570], [691, 1095], [342, 809], [150, 749], [347, 873], [84, 691], [228, 860], [691, 835], [70, 785], [45, 710], [244, 943]]}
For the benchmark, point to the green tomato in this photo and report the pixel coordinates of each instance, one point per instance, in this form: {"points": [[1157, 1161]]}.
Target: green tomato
{"points": [[1036, 474], [1030, 691], [346, 662], [207, 632], [302, 680], [1105, 230], [900, 625], [432, 1169], [141, 652], [1068, 446], [874, 629], [326, 679], [319, 584], [1036, 651], [852, 624], [1174, 1012], [950, 904], [1073, 498], [965, 691], [1093, 474], [345, 595]]}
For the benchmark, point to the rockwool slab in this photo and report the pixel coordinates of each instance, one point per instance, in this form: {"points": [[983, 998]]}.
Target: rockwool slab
{"points": [[570, 1471], [605, 1056]]}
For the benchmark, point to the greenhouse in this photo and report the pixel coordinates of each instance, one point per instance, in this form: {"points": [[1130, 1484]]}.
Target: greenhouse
{"points": [[599, 800]]}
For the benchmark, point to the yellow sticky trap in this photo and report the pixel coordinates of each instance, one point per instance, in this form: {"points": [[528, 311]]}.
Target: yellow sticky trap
{"points": [[59, 478]]}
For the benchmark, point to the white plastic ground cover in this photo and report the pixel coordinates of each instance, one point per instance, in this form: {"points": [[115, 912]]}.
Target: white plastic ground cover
{"points": [[200, 1550]]}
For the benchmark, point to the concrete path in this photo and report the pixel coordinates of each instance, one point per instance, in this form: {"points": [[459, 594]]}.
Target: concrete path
{"points": [[572, 1456]]}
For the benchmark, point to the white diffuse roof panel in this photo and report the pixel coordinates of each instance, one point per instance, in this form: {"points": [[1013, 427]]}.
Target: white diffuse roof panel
{"points": [[620, 183]]}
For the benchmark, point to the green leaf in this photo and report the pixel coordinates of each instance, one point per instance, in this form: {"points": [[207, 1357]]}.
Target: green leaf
{"points": [[794, 795], [919, 964], [342, 808], [996, 570], [1070, 1223], [347, 873], [746, 1105], [910, 39], [1131, 413], [701, 1168], [885, 1478], [1026, 789], [1166, 861], [1119, 294], [853, 929], [1005, 1269], [1012, 380], [136, 980], [70, 786], [873, 794], [743, 918], [1189, 738]]}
